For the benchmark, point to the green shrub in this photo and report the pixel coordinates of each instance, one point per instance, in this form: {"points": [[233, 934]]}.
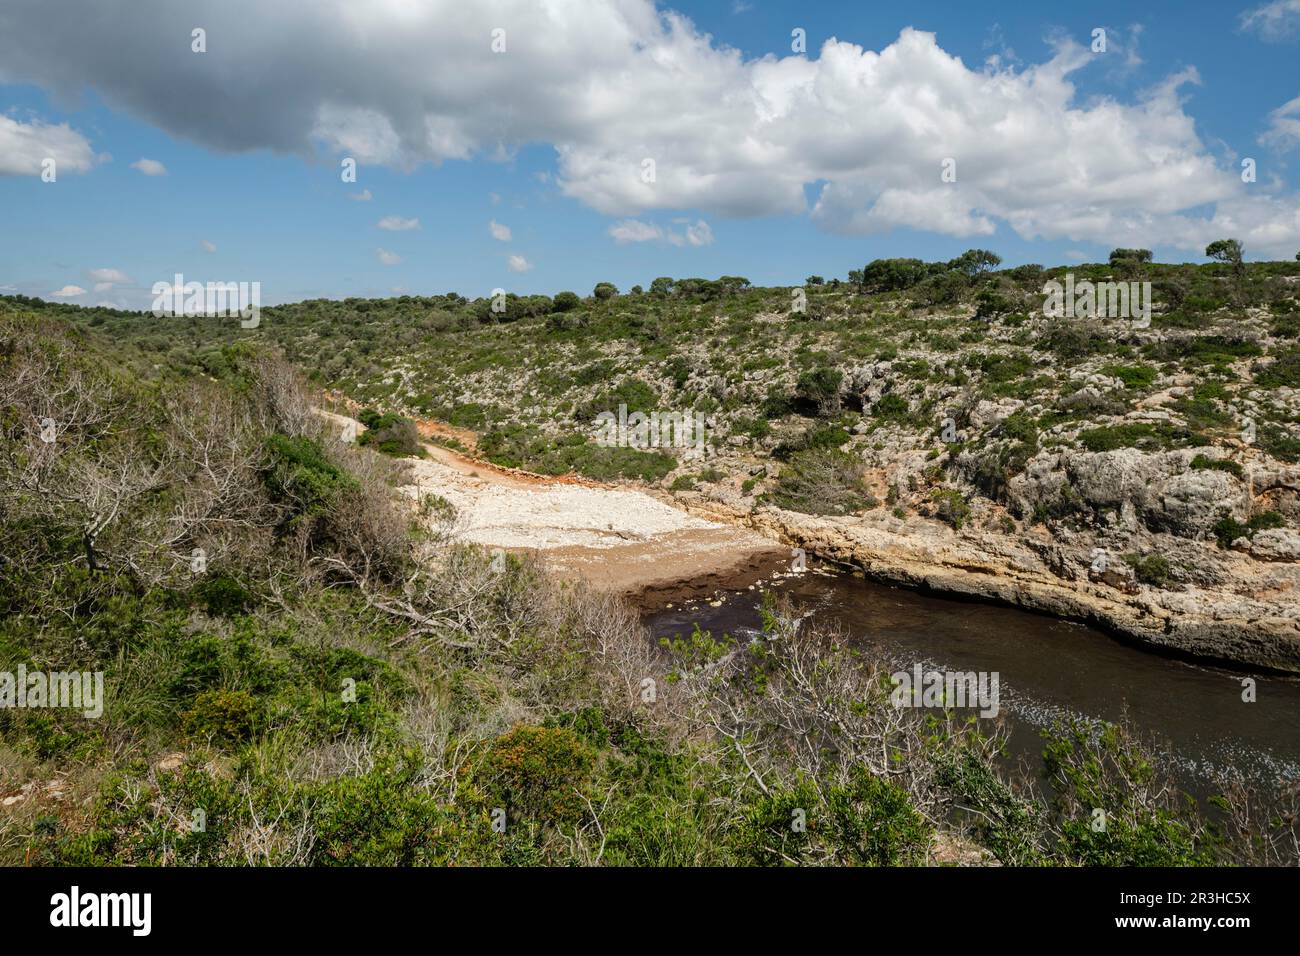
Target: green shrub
{"points": [[298, 473], [819, 390], [223, 716], [891, 407], [1284, 372], [1133, 376], [951, 506], [537, 774], [822, 481], [1142, 435], [1152, 569], [390, 433], [1202, 463], [864, 822]]}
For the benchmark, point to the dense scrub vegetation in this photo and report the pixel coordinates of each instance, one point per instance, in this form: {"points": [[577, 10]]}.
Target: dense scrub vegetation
{"points": [[299, 671], [886, 357]]}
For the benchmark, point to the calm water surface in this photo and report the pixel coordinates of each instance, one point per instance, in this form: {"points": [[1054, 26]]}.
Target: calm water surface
{"points": [[1049, 670]]}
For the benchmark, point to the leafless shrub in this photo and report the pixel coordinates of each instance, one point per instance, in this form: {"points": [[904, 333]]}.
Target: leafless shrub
{"points": [[821, 711], [280, 389]]}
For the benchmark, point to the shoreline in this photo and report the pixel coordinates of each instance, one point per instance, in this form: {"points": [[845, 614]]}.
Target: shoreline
{"points": [[655, 548], [930, 558]]}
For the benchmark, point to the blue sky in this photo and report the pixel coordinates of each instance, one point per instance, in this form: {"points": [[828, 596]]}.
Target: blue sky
{"points": [[271, 207]]}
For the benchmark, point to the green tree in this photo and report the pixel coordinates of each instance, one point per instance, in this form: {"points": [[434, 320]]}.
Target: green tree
{"points": [[1228, 251], [564, 301], [888, 275], [975, 262], [605, 290], [1130, 256]]}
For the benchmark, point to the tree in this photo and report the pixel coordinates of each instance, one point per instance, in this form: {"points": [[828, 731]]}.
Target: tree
{"points": [[888, 275], [814, 280], [974, 262], [564, 301], [1130, 256], [662, 286], [945, 288], [605, 290], [1228, 251]]}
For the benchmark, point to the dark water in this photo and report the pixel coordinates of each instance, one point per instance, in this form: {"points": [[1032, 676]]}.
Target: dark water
{"points": [[1048, 670]]}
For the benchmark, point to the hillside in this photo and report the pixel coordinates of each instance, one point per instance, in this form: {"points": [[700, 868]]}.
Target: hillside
{"points": [[302, 666], [925, 421]]}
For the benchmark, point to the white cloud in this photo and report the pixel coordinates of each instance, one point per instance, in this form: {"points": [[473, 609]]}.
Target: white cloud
{"points": [[24, 146], [68, 292], [499, 232], [388, 258], [8, 289], [1283, 125], [698, 233], [398, 224], [518, 264], [110, 276], [363, 196], [634, 230], [610, 83], [150, 167], [208, 246], [494, 198], [1278, 20]]}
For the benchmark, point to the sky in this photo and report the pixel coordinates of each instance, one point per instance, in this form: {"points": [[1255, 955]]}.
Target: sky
{"points": [[544, 145]]}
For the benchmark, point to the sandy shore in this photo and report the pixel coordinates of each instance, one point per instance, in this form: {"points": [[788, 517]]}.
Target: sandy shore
{"points": [[618, 539]]}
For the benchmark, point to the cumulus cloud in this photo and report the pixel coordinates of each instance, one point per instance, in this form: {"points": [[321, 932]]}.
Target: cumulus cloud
{"points": [[611, 84], [388, 258], [68, 292], [207, 246], [398, 224], [1279, 20], [1283, 126], [150, 167], [698, 233], [518, 264], [633, 230], [111, 276], [25, 146], [499, 232], [363, 196]]}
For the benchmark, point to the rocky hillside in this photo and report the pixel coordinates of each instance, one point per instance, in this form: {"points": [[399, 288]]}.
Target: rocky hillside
{"points": [[928, 421]]}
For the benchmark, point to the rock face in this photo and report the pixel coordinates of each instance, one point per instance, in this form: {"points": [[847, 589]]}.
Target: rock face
{"points": [[1236, 608], [1276, 544], [1161, 490]]}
